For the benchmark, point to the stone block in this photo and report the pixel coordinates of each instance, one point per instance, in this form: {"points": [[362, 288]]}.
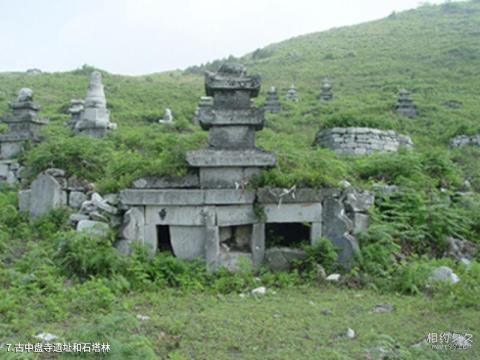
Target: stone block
{"points": [[281, 258], [235, 215], [76, 199], [93, 228], [46, 194], [236, 137], [230, 158], [289, 213], [188, 242], [258, 244], [176, 215], [161, 197], [24, 200], [133, 226], [226, 177], [168, 182]]}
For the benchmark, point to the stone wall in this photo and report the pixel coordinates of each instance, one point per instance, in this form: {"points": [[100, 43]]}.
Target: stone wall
{"points": [[361, 141], [462, 140]]}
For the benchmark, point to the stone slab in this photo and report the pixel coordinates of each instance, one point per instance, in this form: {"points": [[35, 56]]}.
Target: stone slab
{"points": [[235, 215], [176, 215], [230, 158], [46, 194], [167, 182], [188, 242], [289, 213]]}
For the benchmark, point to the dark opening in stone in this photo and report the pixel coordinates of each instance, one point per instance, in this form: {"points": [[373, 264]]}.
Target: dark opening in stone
{"points": [[164, 243], [236, 238], [287, 234]]}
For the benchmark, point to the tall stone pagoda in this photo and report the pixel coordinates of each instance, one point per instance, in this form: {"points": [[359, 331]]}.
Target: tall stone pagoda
{"points": [[272, 104], [405, 105], [23, 125], [95, 118], [326, 90], [291, 94], [231, 158]]}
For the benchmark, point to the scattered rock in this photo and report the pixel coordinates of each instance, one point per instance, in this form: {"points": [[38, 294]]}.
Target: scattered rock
{"points": [[46, 337], [320, 273], [333, 277], [382, 308], [75, 218], [326, 312], [102, 204], [350, 333], [444, 273], [76, 199], [55, 172], [281, 258], [262, 290], [143, 317], [460, 249]]}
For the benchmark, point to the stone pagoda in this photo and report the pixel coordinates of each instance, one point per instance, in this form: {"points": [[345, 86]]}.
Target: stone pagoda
{"points": [[405, 105], [232, 158], [75, 110], [291, 94], [23, 125], [205, 101], [272, 104], [326, 90], [95, 118]]}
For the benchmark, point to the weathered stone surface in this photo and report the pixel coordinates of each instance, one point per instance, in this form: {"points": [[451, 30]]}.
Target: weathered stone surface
{"points": [[230, 158], [361, 141], [75, 218], [338, 227], [227, 177], [103, 205], [93, 228], [231, 137], [190, 180], [167, 117], [133, 225], [460, 249], [281, 258], [288, 213], [76, 199], [258, 244], [251, 117], [46, 194], [24, 200], [358, 201], [176, 215], [188, 242], [462, 140], [445, 274], [212, 242], [235, 215]]}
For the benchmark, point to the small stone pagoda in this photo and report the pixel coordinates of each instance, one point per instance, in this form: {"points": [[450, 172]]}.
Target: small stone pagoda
{"points": [[272, 105], [205, 101], [75, 110], [23, 125], [326, 90], [167, 117], [232, 158], [95, 118], [405, 105], [291, 94]]}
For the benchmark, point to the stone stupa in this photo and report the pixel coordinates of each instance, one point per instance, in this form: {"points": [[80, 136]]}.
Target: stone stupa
{"points": [[95, 117], [405, 105], [205, 101], [291, 94], [75, 110], [272, 103], [232, 158], [23, 125], [326, 90]]}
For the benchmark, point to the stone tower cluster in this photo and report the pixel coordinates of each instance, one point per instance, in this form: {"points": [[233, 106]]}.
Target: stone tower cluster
{"points": [[94, 119], [23, 125], [231, 158], [291, 94], [272, 104], [326, 90], [405, 105]]}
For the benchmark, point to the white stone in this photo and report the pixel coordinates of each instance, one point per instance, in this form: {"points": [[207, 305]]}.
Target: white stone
{"points": [[262, 290], [46, 337], [333, 277], [143, 317], [350, 333], [133, 225], [444, 273]]}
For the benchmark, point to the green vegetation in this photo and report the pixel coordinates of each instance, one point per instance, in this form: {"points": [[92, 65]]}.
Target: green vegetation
{"points": [[80, 288]]}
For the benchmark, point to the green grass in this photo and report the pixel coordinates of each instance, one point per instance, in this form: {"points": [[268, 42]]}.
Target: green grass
{"points": [[284, 324]]}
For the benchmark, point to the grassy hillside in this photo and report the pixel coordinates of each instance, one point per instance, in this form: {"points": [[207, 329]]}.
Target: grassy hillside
{"points": [[48, 273]]}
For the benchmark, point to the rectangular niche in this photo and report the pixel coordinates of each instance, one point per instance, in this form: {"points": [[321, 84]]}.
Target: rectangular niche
{"points": [[294, 234], [164, 241], [236, 238]]}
